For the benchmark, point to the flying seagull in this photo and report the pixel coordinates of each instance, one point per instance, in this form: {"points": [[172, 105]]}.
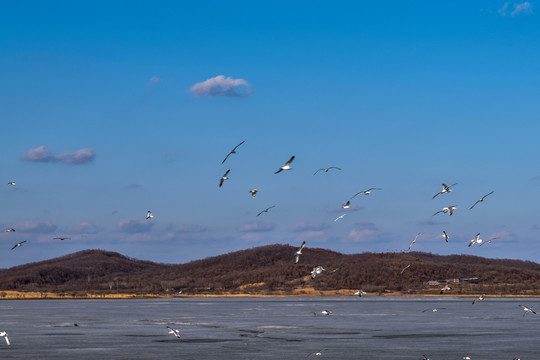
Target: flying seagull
{"points": [[266, 210], [445, 236], [10, 230], [489, 240], [318, 353], [224, 177], [476, 240], [18, 244], [299, 252], [405, 268], [326, 170], [61, 238], [414, 240], [317, 270], [433, 310], [340, 217], [360, 293], [233, 151], [445, 288], [480, 298], [365, 192], [149, 215], [174, 332], [449, 209], [346, 205], [254, 192], [326, 312], [528, 310], [11, 183], [481, 200], [445, 189], [287, 165], [5, 335]]}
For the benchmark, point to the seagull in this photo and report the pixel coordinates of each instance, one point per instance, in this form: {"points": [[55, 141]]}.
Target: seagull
{"points": [[287, 165], [445, 189], [10, 230], [424, 357], [233, 151], [481, 200], [254, 192], [445, 236], [405, 268], [360, 293], [149, 215], [365, 192], [318, 353], [433, 310], [528, 310], [326, 170], [11, 183], [480, 298], [466, 358], [346, 205], [61, 238], [317, 270], [18, 244], [266, 210], [490, 240], [299, 252], [326, 312], [445, 288], [476, 240], [414, 240], [448, 209], [174, 332], [5, 335], [224, 177], [340, 217]]}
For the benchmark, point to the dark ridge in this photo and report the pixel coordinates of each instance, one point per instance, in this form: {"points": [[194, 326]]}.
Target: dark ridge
{"points": [[270, 270]]}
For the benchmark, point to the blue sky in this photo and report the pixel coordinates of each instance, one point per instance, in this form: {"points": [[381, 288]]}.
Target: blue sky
{"points": [[101, 123]]}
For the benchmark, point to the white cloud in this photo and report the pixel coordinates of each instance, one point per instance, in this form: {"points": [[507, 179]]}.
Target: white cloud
{"points": [[502, 10], [521, 8], [41, 154], [313, 236], [85, 228], [308, 226], [221, 85], [36, 227], [154, 80], [134, 225], [257, 227]]}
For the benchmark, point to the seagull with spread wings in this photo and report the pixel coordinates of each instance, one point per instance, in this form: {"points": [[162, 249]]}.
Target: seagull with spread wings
{"points": [[224, 177], [445, 236], [174, 332], [445, 189], [18, 244], [481, 200], [326, 170], [149, 215], [340, 217], [62, 238], [414, 240], [254, 192], [233, 151], [299, 252], [528, 310], [489, 240], [10, 230], [317, 270], [480, 298], [287, 166], [266, 210], [475, 240], [365, 192], [346, 205], [449, 209], [5, 335]]}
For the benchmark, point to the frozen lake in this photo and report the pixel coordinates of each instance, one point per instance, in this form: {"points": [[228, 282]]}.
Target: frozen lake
{"points": [[271, 328]]}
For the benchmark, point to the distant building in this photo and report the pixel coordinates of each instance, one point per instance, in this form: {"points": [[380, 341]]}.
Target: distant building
{"points": [[433, 283]]}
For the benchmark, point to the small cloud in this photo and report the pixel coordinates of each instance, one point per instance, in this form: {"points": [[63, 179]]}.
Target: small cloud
{"points": [[134, 225], [257, 227], [363, 232], [221, 85], [308, 226], [85, 228], [41, 154], [523, 8], [154, 80], [36, 227], [502, 10]]}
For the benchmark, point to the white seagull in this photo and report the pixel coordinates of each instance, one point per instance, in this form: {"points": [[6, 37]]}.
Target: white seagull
{"points": [[299, 252], [445, 189], [528, 310], [405, 268], [365, 192], [326, 312], [174, 332], [5, 335], [18, 244], [480, 298], [224, 177], [266, 210], [326, 170], [449, 209], [149, 215], [340, 217], [11, 183], [287, 165], [318, 353], [445, 236], [481, 200], [317, 270], [489, 240], [346, 205], [61, 238], [476, 240], [414, 240], [445, 288], [360, 293], [254, 192], [233, 151], [10, 230]]}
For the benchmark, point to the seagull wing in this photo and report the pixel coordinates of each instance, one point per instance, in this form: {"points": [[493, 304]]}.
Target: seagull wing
{"points": [[317, 171], [296, 258], [226, 157], [434, 196], [334, 167], [440, 211], [7, 340], [485, 196], [290, 160], [236, 147], [302, 246], [474, 204]]}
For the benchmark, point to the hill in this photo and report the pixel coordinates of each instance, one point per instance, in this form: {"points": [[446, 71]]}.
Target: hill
{"points": [[270, 270]]}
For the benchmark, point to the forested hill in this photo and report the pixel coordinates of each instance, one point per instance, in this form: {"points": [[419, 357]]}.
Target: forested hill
{"points": [[270, 270]]}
